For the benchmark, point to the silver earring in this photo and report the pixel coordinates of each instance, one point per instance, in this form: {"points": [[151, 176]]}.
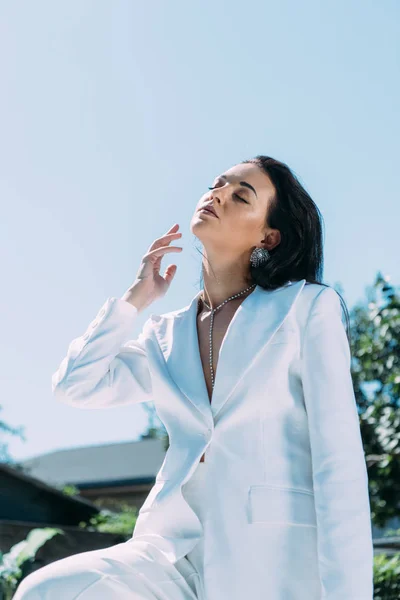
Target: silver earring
{"points": [[259, 257]]}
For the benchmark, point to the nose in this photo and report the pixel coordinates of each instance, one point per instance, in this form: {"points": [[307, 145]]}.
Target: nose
{"points": [[218, 197]]}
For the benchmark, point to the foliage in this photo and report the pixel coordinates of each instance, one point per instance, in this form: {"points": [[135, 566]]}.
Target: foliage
{"points": [[387, 577], [376, 379], [70, 490], [108, 521], [5, 428], [15, 564]]}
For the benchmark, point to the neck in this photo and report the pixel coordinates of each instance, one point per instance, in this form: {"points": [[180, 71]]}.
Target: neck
{"points": [[224, 282]]}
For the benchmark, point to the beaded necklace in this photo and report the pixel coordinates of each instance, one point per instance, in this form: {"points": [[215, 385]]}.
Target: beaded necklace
{"points": [[213, 311]]}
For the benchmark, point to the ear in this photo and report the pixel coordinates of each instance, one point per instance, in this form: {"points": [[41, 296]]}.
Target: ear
{"points": [[271, 239]]}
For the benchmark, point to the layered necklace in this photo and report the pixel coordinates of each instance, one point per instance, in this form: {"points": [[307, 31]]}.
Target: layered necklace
{"points": [[213, 311]]}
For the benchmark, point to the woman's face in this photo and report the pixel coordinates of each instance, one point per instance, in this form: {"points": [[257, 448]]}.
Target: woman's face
{"points": [[240, 198]]}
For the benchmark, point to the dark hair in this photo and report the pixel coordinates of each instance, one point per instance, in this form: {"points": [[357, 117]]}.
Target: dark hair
{"points": [[299, 255]]}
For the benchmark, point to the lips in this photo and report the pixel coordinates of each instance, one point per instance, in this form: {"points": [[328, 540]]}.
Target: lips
{"points": [[209, 208]]}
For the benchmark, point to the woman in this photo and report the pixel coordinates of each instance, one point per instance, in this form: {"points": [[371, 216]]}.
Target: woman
{"points": [[263, 492]]}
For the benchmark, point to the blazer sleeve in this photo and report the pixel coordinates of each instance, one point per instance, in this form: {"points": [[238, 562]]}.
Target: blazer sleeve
{"points": [[103, 368], [345, 547]]}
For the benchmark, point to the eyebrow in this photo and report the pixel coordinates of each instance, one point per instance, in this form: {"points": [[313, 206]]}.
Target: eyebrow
{"points": [[243, 184]]}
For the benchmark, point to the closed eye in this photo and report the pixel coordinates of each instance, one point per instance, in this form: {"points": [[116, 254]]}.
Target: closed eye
{"points": [[234, 195]]}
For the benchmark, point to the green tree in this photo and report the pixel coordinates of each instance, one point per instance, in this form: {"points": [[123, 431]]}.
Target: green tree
{"points": [[6, 429], [375, 336]]}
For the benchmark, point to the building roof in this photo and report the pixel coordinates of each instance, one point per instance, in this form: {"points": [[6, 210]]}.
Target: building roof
{"points": [[25, 498], [99, 464]]}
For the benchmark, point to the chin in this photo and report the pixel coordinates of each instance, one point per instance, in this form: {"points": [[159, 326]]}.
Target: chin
{"points": [[207, 235], [198, 226]]}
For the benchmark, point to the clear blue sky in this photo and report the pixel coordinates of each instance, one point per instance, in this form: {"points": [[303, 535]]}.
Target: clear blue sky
{"points": [[117, 116]]}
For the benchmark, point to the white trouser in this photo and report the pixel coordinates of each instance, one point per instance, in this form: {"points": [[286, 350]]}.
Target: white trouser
{"points": [[130, 570]]}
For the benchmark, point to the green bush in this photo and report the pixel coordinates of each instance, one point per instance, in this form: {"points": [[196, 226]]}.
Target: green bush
{"points": [[15, 564], [387, 577], [108, 521]]}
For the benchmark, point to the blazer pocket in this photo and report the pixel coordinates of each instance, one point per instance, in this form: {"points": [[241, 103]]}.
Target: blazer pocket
{"points": [[279, 505]]}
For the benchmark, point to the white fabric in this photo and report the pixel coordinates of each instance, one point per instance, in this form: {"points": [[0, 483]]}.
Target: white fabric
{"points": [[131, 570], [285, 489]]}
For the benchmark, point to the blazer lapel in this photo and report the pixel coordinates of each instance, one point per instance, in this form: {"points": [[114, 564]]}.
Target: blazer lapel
{"points": [[254, 323]]}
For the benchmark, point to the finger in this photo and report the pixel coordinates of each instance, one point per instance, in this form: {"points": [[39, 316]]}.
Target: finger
{"points": [[170, 273], [173, 229], [167, 238], [161, 251]]}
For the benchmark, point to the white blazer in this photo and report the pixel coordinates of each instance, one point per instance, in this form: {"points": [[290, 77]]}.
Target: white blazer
{"points": [[289, 513]]}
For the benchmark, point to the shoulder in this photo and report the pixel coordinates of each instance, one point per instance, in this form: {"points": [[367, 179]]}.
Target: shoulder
{"points": [[320, 295], [317, 298]]}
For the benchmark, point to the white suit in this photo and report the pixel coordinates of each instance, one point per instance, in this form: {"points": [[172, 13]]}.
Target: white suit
{"points": [[286, 487]]}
